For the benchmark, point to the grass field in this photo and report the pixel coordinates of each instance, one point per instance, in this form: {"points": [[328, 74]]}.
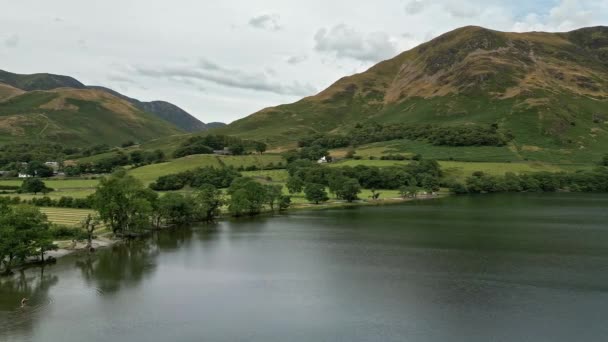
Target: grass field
{"points": [[411, 147], [59, 184], [67, 216], [150, 173], [455, 170]]}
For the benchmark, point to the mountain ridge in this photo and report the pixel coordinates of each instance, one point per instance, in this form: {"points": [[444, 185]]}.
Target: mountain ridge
{"points": [[162, 109], [76, 117], [549, 89]]}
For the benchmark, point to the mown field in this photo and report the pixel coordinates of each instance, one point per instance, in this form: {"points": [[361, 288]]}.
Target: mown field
{"points": [[68, 216]]}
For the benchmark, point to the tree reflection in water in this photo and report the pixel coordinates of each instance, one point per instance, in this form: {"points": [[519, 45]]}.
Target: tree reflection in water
{"points": [[125, 264], [32, 284]]}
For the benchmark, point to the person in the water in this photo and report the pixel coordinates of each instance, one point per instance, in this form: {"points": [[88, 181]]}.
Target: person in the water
{"points": [[24, 302]]}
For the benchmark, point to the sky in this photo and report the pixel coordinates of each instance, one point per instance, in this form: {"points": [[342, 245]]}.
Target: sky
{"points": [[223, 60]]}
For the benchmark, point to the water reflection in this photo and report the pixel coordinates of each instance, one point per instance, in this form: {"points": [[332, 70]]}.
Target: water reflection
{"points": [[174, 239], [126, 264], [33, 285]]}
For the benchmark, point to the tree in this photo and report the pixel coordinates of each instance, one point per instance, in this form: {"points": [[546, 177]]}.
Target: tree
{"points": [[88, 225], [207, 203], [260, 147], [39, 169], [24, 231], [34, 185], [237, 149], [123, 203], [335, 181], [315, 193], [137, 157], [295, 184], [349, 190], [273, 195], [176, 208], [284, 203], [459, 189], [246, 197], [44, 243], [408, 191]]}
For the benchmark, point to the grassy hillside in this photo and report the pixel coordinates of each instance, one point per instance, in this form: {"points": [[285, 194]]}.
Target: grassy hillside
{"points": [[166, 111], [76, 117], [7, 91], [41, 81], [549, 89], [150, 173], [11, 82]]}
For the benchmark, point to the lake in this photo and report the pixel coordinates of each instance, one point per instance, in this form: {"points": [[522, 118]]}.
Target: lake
{"points": [[521, 267]]}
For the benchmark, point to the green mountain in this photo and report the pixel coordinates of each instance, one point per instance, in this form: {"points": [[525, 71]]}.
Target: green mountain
{"points": [[550, 90], [168, 112], [39, 81], [75, 117], [163, 110]]}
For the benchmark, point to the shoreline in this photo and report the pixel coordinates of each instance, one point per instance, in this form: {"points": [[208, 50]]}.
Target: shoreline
{"points": [[98, 243], [104, 241]]}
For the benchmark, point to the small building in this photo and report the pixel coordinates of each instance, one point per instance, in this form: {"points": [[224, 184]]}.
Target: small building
{"points": [[323, 160], [24, 175], [224, 152], [53, 165]]}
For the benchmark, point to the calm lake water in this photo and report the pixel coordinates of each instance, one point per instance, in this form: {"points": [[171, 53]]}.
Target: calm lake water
{"points": [[480, 268]]}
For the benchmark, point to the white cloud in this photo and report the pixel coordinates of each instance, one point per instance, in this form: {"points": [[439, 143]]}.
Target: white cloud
{"points": [[12, 41], [415, 6], [294, 60], [564, 16], [208, 71], [268, 22], [346, 42]]}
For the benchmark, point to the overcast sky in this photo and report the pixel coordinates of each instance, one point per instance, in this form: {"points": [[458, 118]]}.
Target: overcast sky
{"points": [[223, 60]]}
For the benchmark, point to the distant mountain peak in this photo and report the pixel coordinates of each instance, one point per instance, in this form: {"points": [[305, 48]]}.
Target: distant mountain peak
{"points": [[45, 81]]}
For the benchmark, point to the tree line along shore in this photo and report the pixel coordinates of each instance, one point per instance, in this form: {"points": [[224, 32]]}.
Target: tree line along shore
{"points": [[127, 208]]}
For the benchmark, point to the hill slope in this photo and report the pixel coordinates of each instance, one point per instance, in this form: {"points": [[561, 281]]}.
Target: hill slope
{"points": [[39, 81], [76, 117], [164, 110], [549, 89]]}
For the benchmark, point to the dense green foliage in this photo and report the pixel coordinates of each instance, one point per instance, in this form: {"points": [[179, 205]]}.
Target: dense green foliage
{"points": [[249, 197], [425, 174], [582, 181], [206, 144], [108, 164], [315, 193], [218, 177], [123, 203], [24, 232], [34, 185], [469, 135]]}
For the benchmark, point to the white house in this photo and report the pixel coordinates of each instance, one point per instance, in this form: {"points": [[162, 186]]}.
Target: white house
{"points": [[53, 165], [322, 160]]}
